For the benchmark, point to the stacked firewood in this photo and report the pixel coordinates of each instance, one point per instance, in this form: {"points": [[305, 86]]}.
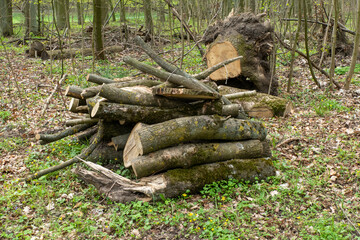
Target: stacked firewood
{"points": [[177, 133]]}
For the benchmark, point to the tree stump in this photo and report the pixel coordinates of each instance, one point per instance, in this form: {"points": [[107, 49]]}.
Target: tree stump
{"points": [[243, 35]]}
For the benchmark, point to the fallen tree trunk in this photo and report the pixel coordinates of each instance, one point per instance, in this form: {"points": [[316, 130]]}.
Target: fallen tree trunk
{"points": [[244, 35], [149, 115], [150, 138], [70, 53], [259, 105], [174, 182], [188, 155]]}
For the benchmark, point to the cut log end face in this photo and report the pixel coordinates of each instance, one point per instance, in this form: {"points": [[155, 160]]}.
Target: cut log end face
{"points": [[220, 52]]}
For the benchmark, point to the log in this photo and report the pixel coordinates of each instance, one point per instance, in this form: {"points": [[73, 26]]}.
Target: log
{"points": [[136, 96], [74, 122], [93, 91], [184, 93], [86, 135], [150, 138], [81, 109], [75, 103], [98, 79], [105, 154], [188, 155], [150, 115], [73, 91], [48, 138], [119, 142], [91, 102], [260, 105], [244, 35], [174, 182], [114, 128], [70, 53]]}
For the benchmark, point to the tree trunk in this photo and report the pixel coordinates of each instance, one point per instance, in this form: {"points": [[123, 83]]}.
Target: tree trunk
{"points": [[60, 13], [97, 31], [79, 11], [355, 51], [34, 27], [149, 26], [146, 139], [174, 182], [188, 155], [6, 24]]}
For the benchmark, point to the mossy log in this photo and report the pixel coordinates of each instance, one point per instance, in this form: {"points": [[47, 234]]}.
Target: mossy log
{"points": [[188, 155], [150, 115], [260, 105], [244, 35], [93, 91], [150, 138], [174, 182], [48, 138], [136, 96]]}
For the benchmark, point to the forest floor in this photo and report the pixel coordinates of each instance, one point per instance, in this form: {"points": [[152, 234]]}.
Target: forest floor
{"points": [[314, 195]]}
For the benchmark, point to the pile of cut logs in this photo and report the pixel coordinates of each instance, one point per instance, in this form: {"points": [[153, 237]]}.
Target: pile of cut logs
{"points": [[177, 133]]}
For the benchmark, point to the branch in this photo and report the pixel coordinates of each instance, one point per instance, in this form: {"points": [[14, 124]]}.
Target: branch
{"points": [[57, 88], [209, 71], [86, 152]]}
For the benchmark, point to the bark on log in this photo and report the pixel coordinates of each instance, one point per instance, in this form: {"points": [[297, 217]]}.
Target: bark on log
{"points": [[184, 93], [74, 103], [119, 142], [188, 155], [175, 182], [260, 105], [136, 96], [74, 91], [48, 138], [74, 122], [93, 91], [146, 139], [105, 154], [70, 53], [114, 128], [150, 115], [98, 79]]}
